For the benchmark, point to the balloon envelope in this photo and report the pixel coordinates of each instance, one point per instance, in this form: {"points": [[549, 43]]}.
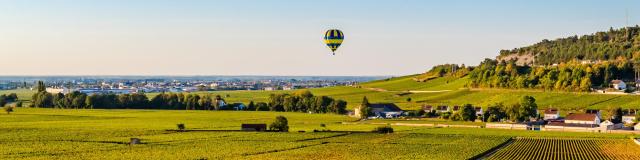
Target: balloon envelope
{"points": [[333, 38]]}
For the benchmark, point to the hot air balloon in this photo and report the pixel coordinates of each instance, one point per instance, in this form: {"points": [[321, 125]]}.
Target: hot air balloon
{"points": [[333, 38]]}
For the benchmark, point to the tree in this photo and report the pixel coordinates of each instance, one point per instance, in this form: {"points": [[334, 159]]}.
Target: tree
{"points": [[494, 113], [251, 106], [468, 113], [409, 99], [615, 115], [261, 106], [528, 108], [513, 113], [280, 124], [456, 116], [3, 102], [365, 110], [445, 115], [8, 109], [41, 87]]}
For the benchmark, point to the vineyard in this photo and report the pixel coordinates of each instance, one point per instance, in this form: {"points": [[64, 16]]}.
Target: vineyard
{"points": [[31, 133], [568, 148]]}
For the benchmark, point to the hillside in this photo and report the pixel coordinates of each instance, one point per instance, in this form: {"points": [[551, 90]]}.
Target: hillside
{"points": [[607, 45]]}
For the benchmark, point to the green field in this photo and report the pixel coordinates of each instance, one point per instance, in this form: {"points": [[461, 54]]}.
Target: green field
{"points": [[32, 133]]}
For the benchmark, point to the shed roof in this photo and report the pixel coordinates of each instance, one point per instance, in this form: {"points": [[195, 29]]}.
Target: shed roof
{"points": [[385, 106], [581, 117]]}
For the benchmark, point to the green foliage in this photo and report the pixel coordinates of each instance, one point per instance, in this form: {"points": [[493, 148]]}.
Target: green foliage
{"points": [[3, 102], [281, 124], [251, 106], [383, 129], [615, 115], [446, 115], [261, 106], [40, 86], [528, 108], [304, 101], [365, 110], [570, 76], [494, 113], [468, 113], [609, 45], [8, 109], [181, 126]]}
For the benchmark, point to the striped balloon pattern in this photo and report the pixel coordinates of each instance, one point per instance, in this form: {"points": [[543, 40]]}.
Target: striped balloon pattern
{"points": [[333, 38]]}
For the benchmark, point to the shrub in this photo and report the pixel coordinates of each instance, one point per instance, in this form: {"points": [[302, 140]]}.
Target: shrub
{"points": [[261, 106], [19, 104], [383, 129], [280, 124], [8, 109], [181, 127]]}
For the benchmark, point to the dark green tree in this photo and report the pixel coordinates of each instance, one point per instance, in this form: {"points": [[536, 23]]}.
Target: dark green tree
{"points": [[281, 124]]}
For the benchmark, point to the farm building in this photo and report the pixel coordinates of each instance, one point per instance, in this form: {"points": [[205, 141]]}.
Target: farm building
{"points": [[254, 127], [551, 113], [385, 110], [629, 116], [618, 84], [441, 109], [607, 125], [582, 118], [427, 108], [479, 111]]}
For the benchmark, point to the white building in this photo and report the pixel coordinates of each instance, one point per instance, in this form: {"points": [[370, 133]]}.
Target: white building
{"points": [[628, 118], [607, 125], [441, 109], [479, 111], [582, 118], [382, 110], [637, 127], [619, 85], [551, 113], [62, 90]]}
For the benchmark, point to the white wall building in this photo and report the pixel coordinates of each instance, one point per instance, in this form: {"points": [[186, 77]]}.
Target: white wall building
{"points": [[582, 118], [551, 113]]}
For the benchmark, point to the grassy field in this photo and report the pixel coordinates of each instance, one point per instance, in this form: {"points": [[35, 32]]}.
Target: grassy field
{"points": [[32, 133]]}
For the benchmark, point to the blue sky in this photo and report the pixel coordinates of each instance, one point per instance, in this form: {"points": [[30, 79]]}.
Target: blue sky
{"points": [[259, 37]]}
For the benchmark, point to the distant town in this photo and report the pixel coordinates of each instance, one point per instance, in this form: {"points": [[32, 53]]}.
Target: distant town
{"points": [[150, 84]]}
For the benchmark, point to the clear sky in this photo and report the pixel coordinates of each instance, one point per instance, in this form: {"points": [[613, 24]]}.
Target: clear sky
{"points": [[269, 37]]}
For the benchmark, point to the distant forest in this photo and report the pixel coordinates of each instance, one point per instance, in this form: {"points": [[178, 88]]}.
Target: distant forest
{"points": [[566, 64], [610, 45]]}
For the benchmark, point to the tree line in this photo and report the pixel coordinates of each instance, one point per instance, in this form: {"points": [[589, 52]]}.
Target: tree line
{"points": [[305, 101], [570, 76], [301, 101]]}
